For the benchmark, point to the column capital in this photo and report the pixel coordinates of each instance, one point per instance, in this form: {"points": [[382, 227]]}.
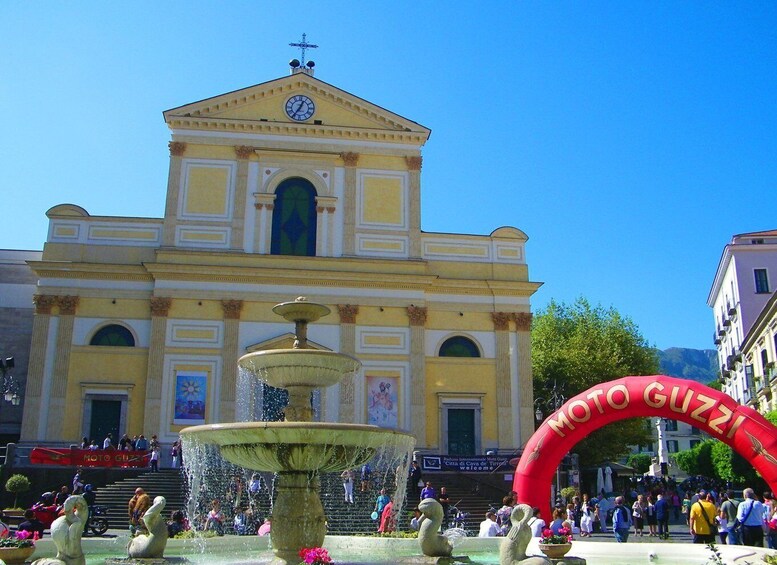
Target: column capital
{"points": [[67, 305], [350, 158], [522, 321], [414, 162], [160, 306], [231, 309], [177, 148], [44, 303], [347, 313], [501, 321], [243, 151], [417, 315]]}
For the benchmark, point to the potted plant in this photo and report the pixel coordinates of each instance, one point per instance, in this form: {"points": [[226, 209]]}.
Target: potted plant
{"points": [[555, 546], [17, 547], [17, 484]]}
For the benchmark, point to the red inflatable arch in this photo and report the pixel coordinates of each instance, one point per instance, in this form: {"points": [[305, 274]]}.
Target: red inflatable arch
{"points": [[741, 427]]}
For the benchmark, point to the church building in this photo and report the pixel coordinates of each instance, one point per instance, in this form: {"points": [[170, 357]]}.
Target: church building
{"points": [[289, 188]]}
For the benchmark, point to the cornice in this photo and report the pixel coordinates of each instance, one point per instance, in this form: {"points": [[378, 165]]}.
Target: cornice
{"points": [[296, 129]]}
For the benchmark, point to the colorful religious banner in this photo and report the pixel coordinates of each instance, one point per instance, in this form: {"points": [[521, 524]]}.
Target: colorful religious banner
{"points": [[382, 405], [190, 397]]}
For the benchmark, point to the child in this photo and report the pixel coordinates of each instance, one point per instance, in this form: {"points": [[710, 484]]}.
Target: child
{"points": [[722, 521]]}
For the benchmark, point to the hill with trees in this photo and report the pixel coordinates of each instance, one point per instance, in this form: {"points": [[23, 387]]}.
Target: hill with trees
{"points": [[700, 365]]}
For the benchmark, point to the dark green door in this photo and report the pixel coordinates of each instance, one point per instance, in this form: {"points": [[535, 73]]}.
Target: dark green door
{"points": [[106, 417], [461, 431]]}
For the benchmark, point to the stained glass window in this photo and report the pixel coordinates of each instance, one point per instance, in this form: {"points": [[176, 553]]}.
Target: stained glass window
{"points": [[294, 219], [113, 335], [459, 346]]}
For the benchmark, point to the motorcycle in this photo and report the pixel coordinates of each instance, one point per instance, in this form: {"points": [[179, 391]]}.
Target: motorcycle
{"points": [[98, 521]]}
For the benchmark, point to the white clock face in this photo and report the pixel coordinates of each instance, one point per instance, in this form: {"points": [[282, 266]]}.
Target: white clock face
{"points": [[300, 108]]}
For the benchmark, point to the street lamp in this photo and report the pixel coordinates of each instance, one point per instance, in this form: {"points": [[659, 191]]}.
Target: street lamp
{"points": [[552, 403], [10, 389]]}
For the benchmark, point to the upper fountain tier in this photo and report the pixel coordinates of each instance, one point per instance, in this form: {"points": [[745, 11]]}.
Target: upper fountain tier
{"points": [[300, 370]]}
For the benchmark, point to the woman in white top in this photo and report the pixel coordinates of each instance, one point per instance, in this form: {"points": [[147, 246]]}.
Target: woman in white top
{"points": [[536, 523], [587, 520]]}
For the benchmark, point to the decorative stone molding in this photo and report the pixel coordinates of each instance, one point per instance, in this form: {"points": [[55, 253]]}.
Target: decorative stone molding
{"points": [[44, 303], [417, 315], [414, 163], [231, 309], [522, 321], [67, 305], [501, 321], [160, 306], [330, 209], [320, 209], [350, 159], [177, 148], [244, 151], [347, 313]]}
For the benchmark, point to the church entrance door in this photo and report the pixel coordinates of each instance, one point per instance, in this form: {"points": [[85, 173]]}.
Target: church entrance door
{"points": [[461, 431], [106, 418]]}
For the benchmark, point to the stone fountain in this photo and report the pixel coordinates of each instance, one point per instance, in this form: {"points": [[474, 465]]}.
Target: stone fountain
{"points": [[298, 449]]}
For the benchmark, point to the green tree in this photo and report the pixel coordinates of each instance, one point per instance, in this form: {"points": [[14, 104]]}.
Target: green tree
{"points": [[17, 484], [640, 461], [578, 346], [698, 459]]}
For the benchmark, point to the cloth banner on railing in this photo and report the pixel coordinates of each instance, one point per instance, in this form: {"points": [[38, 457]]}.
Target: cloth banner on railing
{"points": [[89, 458]]}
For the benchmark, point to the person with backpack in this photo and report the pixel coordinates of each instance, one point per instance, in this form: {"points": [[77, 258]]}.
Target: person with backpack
{"points": [[728, 508], [750, 516], [621, 521], [702, 519]]}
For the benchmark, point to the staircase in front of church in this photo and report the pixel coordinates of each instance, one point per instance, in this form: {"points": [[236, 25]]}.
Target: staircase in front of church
{"points": [[169, 483]]}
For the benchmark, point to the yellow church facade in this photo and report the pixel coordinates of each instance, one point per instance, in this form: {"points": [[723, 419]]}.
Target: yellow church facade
{"points": [[288, 188]]}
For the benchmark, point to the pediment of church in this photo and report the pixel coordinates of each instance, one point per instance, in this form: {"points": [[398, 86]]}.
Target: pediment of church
{"points": [[284, 341], [263, 107]]}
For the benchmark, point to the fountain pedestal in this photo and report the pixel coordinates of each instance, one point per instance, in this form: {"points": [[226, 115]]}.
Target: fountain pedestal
{"points": [[298, 516]]}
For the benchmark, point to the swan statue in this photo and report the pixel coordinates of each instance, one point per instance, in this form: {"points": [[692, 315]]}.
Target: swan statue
{"points": [[512, 551], [152, 545], [66, 532], [432, 543]]}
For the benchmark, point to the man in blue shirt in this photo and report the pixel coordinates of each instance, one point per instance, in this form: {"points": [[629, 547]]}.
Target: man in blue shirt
{"points": [[428, 491], [621, 521], [750, 515]]}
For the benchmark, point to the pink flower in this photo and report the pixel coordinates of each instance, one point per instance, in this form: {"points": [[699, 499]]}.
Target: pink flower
{"points": [[547, 532], [22, 534]]}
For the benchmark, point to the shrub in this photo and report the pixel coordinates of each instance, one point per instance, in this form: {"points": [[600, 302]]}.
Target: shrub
{"points": [[17, 484]]}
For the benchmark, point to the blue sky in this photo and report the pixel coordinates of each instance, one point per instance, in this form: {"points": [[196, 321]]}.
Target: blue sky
{"points": [[629, 140]]}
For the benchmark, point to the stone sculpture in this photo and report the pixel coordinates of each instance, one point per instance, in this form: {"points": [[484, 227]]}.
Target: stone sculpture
{"points": [[512, 551], [152, 545], [432, 543], [66, 532]]}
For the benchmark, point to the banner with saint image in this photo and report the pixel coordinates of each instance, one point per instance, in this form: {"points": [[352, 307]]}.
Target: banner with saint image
{"points": [[190, 396], [382, 405]]}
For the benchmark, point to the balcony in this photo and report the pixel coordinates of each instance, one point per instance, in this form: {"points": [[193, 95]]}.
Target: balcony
{"points": [[721, 332], [732, 311]]}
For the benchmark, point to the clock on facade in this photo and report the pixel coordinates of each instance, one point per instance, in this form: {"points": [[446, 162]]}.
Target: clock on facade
{"points": [[300, 108]]}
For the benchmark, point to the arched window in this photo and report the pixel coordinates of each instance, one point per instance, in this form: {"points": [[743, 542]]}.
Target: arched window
{"points": [[294, 219], [113, 335], [459, 346]]}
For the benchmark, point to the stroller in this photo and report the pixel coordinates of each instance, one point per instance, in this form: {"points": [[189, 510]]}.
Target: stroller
{"points": [[459, 517]]}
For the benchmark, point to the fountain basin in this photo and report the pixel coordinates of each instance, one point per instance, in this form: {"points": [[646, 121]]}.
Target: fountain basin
{"points": [[322, 447], [312, 368]]}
